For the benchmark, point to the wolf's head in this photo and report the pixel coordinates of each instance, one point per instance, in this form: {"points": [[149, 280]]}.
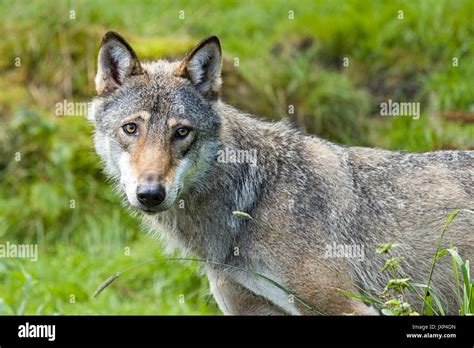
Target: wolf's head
{"points": [[156, 127]]}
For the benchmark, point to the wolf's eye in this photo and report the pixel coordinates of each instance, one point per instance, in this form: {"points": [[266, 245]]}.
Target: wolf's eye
{"points": [[130, 128], [182, 132]]}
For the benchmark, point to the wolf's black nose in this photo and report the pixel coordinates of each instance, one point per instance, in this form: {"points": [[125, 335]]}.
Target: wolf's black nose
{"points": [[150, 195]]}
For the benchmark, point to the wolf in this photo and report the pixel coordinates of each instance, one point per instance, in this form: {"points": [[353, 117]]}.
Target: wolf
{"points": [[264, 225]]}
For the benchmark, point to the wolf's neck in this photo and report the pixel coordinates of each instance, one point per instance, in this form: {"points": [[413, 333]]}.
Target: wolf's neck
{"points": [[248, 158]]}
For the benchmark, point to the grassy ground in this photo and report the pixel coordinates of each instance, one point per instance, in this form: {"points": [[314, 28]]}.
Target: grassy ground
{"points": [[56, 196]]}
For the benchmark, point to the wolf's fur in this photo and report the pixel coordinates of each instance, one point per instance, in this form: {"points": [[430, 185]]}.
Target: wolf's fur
{"points": [[305, 193]]}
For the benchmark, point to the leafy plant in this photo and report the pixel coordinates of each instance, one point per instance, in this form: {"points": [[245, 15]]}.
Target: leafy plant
{"points": [[395, 302]]}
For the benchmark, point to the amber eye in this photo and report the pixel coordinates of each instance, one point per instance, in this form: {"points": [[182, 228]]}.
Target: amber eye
{"points": [[182, 132], [130, 128]]}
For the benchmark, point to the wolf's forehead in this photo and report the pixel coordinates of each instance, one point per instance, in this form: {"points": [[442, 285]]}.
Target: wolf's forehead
{"points": [[161, 67], [158, 100], [156, 92]]}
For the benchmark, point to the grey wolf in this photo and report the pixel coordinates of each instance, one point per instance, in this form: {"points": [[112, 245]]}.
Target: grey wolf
{"points": [[159, 129]]}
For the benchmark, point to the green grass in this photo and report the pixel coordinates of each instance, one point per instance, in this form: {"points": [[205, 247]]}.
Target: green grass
{"points": [[63, 282], [282, 62]]}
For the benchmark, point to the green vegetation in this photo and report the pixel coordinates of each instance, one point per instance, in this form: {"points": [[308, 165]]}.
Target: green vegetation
{"points": [[52, 191], [393, 301]]}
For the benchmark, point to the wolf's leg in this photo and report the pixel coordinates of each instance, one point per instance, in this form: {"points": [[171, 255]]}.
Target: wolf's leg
{"points": [[234, 299]]}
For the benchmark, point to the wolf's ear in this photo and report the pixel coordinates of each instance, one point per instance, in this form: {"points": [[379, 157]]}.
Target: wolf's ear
{"points": [[202, 66], [116, 62]]}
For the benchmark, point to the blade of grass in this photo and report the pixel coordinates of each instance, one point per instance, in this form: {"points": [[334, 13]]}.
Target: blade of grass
{"points": [[467, 287], [360, 298], [423, 286], [448, 222], [456, 277]]}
